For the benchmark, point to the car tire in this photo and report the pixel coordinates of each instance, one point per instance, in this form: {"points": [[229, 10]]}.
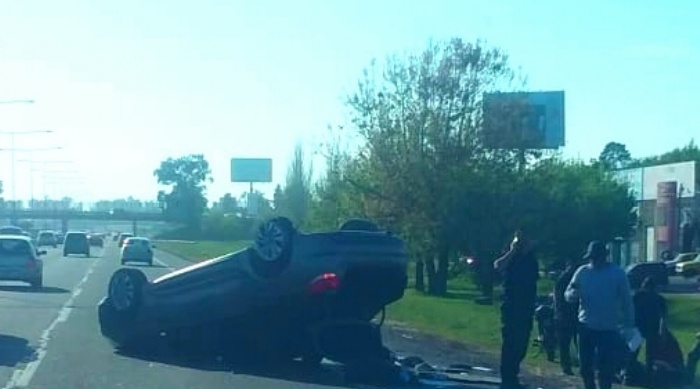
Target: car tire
{"points": [[272, 247], [65, 254], [125, 291]]}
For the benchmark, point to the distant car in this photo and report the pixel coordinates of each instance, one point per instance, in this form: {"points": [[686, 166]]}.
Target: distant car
{"points": [[96, 240], [122, 237], [289, 291], [76, 243], [689, 269], [637, 272], [19, 260], [60, 237], [47, 238], [680, 258], [137, 249], [12, 230]]}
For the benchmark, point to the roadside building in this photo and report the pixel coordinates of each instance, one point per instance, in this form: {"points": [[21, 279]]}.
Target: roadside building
{"points": [[667, 209]]}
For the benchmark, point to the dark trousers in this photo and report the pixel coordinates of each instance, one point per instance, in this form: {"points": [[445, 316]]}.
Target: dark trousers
{"points": [[652, 341], [566, 335], [692, 363], [516, 327], [592, 343]]}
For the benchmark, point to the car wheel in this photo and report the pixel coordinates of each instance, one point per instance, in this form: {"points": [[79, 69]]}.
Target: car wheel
{"points": [[272, 248], [126, 291], [65, 254]]}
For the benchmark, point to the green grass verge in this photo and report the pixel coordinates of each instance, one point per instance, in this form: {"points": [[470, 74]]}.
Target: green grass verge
{"points": [[457, 317], [198, 251]]}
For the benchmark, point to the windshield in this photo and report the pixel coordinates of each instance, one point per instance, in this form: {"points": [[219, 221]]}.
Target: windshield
{"points": [[11, 247]]}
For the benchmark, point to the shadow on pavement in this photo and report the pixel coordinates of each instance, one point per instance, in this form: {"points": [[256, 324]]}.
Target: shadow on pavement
{"points": [[14, 350], [327, 374], [29, 289]]}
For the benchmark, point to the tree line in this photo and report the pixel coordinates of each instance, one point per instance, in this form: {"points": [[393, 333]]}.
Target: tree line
{"points": [[414, 160]]}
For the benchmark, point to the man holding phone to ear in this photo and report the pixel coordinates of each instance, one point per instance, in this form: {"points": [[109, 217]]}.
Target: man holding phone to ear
{"points": [[520, 273]]}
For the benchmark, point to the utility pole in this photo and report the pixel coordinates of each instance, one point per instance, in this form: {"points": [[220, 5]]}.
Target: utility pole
{"points": [[12, 143]]}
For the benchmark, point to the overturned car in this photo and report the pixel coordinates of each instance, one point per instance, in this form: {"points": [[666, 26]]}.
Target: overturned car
{"points": [[291, 295]]}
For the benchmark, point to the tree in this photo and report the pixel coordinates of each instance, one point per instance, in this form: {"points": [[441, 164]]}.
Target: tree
{"points": [[295, 198], [689, 152], [421, 126], [615, 156], [228, 203], [573, 203], [187, 177]]}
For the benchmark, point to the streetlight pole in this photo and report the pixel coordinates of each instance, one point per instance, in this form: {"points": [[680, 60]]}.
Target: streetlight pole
{"points": [[12, 142], [12, 151], [32, 163]]}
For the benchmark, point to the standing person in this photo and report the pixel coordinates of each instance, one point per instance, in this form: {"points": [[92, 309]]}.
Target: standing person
{"points": [[603, 293], [650, 311], [520, 273], [566, 316]]}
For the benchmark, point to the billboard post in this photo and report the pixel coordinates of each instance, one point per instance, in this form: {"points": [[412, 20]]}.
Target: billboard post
{"points": [[251, 170]]}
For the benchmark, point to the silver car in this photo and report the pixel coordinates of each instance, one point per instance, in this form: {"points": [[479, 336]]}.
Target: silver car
{"points": [[19, 260], [137, 249]]}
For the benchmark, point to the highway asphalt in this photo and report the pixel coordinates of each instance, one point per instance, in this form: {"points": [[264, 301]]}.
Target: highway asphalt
{"points": [[49, 338]]}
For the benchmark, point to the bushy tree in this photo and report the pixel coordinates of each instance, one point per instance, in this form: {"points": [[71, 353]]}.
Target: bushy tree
{"points": [[187, 176]]}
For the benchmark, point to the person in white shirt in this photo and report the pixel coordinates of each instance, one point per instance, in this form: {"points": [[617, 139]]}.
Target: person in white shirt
{"points": [[604, 295]]}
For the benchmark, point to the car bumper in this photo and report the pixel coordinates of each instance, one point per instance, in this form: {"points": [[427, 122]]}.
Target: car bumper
{"points": [[10, 274]]}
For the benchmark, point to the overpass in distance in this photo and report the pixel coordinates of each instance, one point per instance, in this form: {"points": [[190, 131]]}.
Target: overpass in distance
{"points": [[66, 215]]}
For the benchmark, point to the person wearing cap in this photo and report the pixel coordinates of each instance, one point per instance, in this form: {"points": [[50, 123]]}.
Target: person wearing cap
{"points": [[520, 273], [604, 295]]}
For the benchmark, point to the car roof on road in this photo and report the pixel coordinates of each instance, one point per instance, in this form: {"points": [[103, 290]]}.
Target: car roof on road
{"points": [[20, 237]]}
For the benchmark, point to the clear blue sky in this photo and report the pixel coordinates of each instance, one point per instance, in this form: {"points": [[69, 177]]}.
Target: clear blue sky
{"points": [[124, 84]]}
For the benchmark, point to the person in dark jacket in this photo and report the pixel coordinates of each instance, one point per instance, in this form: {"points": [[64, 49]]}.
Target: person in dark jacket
{"points": [[566, 316], [520, 273], [650, 311]]}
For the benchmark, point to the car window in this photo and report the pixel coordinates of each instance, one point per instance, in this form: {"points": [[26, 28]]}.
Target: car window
{"points": [[10, 231], [75, 237], [14, 247]]}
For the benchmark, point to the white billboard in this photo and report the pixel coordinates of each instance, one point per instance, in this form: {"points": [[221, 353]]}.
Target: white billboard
{"points": [[683, 173], [251, 170], [643, 182]]}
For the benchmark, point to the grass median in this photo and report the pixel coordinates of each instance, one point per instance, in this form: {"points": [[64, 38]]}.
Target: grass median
{"points": [[456, 316], [201, 250]]}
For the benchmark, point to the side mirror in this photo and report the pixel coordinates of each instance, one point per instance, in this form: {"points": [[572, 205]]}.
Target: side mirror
{"points": [[153, 246]]}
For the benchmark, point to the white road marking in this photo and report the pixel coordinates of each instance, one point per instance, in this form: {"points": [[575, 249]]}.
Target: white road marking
{"points": [[165, 265], [22, 377]]}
